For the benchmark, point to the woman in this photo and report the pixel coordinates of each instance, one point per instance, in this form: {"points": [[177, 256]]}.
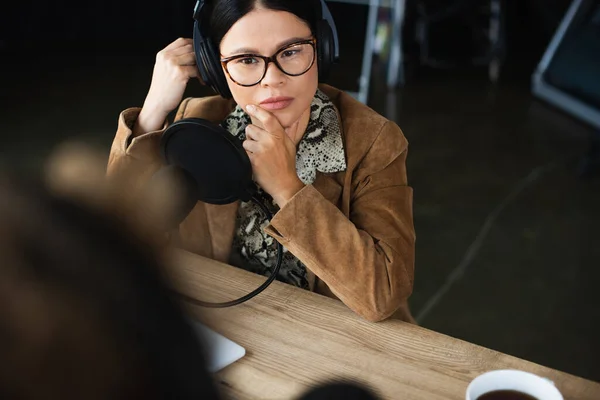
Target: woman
{"points": [[332, 169]]}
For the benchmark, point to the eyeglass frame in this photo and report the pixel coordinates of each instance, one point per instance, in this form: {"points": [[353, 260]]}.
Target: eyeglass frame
{"points": [[273, 59]]}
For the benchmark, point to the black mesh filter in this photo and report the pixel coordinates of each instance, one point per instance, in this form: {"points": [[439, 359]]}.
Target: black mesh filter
{"points": [[212, 156], [211, 166]]}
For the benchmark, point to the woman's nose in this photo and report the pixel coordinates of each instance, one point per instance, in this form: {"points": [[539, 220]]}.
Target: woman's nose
{"points": [[274, 76]]}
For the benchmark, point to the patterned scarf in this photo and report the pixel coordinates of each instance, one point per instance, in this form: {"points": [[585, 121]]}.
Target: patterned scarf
{"points": [[321, 149]]}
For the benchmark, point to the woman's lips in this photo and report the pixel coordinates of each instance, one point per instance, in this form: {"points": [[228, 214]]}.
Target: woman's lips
{"points": [[276, 103]]}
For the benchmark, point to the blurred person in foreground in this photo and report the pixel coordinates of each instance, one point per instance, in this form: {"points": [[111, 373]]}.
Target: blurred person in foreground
{"points": [[84, 311], [85, 306]]}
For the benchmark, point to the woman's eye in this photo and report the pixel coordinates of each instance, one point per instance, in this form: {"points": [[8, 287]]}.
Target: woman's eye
{"points": [[247, 61], [289, 53]]}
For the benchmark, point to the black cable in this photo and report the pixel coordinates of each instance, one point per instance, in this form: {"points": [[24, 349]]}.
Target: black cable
{"points": [[257, 290]]}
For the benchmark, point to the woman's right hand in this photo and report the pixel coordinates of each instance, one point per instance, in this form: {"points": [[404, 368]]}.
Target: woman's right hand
{"points": [[175, 65]]}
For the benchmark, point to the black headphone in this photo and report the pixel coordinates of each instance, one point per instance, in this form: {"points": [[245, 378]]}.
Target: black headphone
{"points": [[209, 61]]}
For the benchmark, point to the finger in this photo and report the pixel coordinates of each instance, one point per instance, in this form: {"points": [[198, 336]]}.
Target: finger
{"points": [[185, 49], [252, 146], [267, 119], [186, 59], [253, 132], [178, 43], [249, 134]]}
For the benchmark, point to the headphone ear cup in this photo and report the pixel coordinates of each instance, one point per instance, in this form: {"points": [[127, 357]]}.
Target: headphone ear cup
{"points": [[216, 70], [200, 59], [209, 66], [325, 48]]}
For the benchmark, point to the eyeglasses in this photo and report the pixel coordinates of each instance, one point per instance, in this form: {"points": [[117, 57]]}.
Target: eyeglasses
{"points": [[294, 59]]}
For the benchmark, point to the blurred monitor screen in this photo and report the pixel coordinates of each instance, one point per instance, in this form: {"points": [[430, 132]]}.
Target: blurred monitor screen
{"points": [[568, 75]]}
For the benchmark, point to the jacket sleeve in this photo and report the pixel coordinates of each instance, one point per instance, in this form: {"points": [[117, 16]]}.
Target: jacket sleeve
{"points": [[136, 157], [366, 260], [134, 160]]}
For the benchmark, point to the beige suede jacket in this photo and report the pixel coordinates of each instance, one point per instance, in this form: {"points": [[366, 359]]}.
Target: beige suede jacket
{"points": [[353, 230]]}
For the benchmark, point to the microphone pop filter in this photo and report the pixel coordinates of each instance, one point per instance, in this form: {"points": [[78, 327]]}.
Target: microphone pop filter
{"points": [[210, 165], [212, 156]]}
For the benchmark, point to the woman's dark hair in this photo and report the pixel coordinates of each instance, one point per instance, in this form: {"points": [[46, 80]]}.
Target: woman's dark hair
{"points": [[223, 14]]}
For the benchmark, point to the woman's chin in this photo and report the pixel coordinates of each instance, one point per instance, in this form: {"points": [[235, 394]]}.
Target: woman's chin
{"points": [[286, 118]]}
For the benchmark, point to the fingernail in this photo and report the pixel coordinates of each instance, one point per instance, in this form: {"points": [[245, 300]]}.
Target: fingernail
{"points": [[250, 108]]}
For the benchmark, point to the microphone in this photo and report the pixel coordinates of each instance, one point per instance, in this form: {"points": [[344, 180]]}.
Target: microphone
{"points": [[208, 164], [213, 157]]}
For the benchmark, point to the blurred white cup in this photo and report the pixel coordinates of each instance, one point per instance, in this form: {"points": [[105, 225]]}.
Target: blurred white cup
{"points": [[507, 379]]}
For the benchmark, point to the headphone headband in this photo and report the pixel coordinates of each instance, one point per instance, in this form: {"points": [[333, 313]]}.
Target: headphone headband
{"points": [[198, 8]]}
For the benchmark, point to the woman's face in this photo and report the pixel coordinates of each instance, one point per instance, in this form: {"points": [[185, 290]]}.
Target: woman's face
{"points": [[263, 32]]}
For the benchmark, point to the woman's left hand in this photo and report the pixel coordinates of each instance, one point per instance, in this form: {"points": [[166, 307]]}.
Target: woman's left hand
{"points": [[272, 153]]}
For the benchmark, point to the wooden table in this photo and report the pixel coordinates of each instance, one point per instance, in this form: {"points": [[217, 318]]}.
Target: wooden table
{"points": [[295, 339]]}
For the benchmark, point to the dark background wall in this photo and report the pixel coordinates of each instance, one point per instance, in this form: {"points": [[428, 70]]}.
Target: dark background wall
{"points": [[123, 24]]}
